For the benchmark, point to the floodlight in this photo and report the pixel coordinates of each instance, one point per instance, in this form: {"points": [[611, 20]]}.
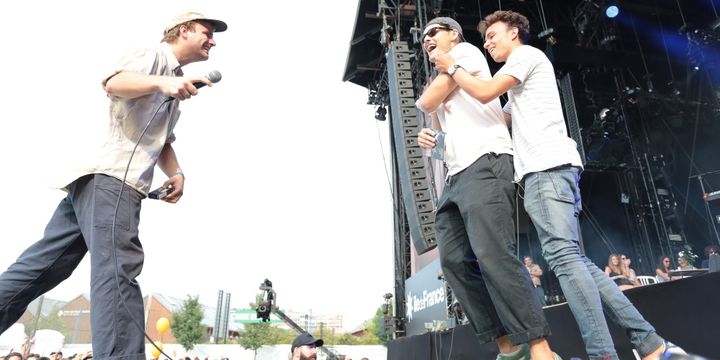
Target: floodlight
{"points": [[612, 11]]}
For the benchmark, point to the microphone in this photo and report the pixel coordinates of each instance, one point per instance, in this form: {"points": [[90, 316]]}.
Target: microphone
{"points": [[214, 76]]}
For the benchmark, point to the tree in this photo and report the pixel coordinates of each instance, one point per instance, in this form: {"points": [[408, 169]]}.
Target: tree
{"points": [[256, 335], [377, 328], [186, 323], [52, 321]]}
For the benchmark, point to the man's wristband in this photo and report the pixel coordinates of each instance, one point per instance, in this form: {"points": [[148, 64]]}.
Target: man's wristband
{"points": [[180, 173]]}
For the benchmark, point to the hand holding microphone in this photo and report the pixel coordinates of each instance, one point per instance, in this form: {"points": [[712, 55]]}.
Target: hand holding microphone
{"points": [[182, 88]]}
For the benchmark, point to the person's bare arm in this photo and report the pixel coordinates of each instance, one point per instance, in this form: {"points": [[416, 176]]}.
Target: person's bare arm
{"points": [[482, 90], [130, 85], [168, 163], [436, 93]]}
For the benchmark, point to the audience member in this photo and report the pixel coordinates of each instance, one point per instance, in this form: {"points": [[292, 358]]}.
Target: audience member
{"points": [[631, 275], [83, 355], [535, 274], [14, 356], [616, 272], [56, 355], [710, 250], [305, 347], [662, 270], [684, 264]]}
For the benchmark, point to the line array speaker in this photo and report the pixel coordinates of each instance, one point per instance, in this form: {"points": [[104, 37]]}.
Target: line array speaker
{"points": [[413, 174]]}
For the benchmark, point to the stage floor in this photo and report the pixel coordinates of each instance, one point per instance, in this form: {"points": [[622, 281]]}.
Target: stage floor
{"points": [[685, 312]]}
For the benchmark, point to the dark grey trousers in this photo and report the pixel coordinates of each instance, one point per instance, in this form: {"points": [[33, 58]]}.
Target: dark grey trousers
{"points": [[474, 224], [82, 223]]}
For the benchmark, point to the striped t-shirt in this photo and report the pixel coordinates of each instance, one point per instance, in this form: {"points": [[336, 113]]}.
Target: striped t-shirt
{"points": [[539, 132]]}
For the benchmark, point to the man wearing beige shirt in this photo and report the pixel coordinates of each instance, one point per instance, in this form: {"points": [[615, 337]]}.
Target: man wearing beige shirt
{"points": [[101, 211]]}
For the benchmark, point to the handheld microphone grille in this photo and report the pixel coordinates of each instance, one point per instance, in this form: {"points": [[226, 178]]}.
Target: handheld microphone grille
{"points": [[214, 76]]}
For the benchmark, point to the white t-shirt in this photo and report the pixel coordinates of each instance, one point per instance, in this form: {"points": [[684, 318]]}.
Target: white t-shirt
{"points": [[472, 128], [539, 132]]}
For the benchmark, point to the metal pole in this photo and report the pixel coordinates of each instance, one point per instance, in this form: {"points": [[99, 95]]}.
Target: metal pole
{"points": [[38, 315]]}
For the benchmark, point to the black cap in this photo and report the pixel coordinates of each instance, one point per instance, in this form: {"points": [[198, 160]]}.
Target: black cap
{"points": [[305, 339], [447, 22]]}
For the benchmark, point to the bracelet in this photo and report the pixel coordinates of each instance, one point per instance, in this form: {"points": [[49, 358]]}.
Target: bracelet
{"points": [[180, 173]]}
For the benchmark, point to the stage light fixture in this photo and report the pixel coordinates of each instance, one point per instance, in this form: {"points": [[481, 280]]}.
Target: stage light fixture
{"points": [[715, 24], [612, 10], [380, 113], [608, 39], [548, 36]]}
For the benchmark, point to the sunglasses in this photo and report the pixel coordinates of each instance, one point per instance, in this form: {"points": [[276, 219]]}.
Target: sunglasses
{"points": [[432, 32]]}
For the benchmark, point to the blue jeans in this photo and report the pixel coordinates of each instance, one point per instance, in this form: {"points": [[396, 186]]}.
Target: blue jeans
{"points": [[552, 201], [475, 230], [540, 292], [82, 223]]}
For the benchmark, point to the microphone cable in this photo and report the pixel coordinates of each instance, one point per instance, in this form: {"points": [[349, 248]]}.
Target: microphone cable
{"points": [[214, 76], [112, 230]]}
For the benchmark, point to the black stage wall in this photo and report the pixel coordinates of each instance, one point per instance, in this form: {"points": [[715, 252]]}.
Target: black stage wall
{"points": [[686, 312]]}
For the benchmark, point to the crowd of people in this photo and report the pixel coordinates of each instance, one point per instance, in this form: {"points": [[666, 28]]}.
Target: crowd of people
{"points": [[620, 271], [54, 355]]}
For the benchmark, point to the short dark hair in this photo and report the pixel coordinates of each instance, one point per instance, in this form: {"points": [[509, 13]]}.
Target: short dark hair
{"points": [[710, 249], [14, 353], [512, 19]]}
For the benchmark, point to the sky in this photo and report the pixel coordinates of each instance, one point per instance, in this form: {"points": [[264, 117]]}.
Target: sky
{"points": [[286, 167]]}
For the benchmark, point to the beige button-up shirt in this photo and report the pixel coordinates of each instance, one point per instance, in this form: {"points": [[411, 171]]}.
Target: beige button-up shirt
{"points": [[128, 119]]}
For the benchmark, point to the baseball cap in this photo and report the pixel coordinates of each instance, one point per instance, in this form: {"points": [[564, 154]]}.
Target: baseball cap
{"points": [[447, 22], [218, 25], [305, 339]]}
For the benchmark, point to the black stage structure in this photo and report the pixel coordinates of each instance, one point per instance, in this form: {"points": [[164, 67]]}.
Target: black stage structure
{"points": [[683, 312], [641, 96]]}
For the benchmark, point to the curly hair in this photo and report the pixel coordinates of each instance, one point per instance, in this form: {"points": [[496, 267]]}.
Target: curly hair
{"points": [[509, 17]]}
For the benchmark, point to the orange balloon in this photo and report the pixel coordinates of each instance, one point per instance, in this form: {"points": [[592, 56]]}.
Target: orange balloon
{"points": [[162, 325], [156, 350]]}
